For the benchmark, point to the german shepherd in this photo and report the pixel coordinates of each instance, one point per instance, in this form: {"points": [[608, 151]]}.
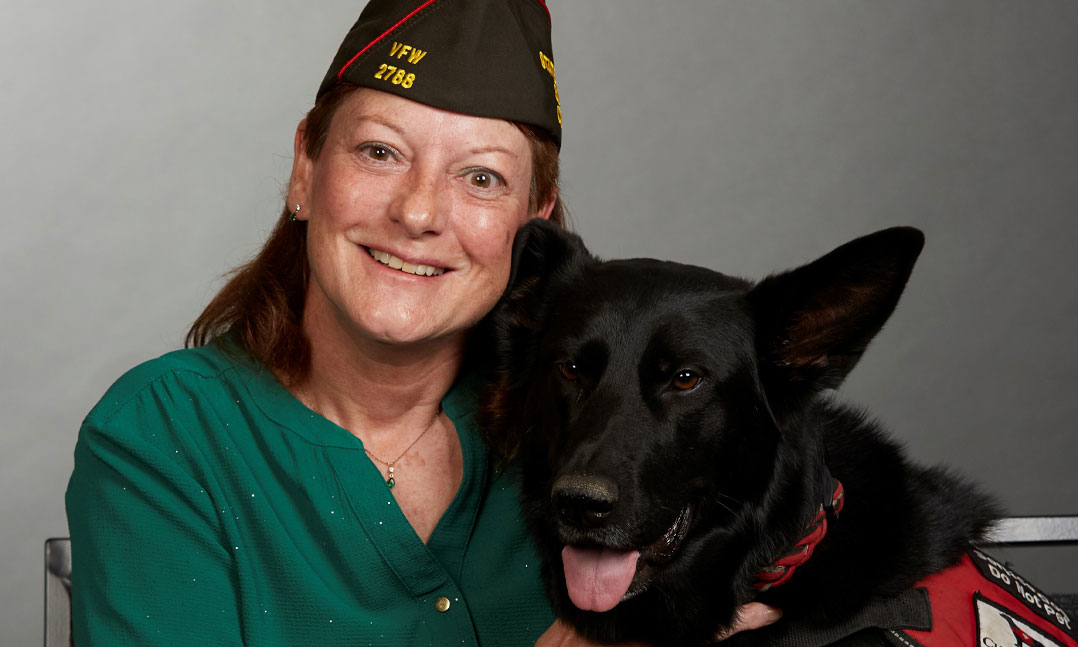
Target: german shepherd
{"points": [[680, 454]]}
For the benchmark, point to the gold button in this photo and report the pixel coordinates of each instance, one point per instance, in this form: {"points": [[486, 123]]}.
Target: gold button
{"points": [[442, 604]]}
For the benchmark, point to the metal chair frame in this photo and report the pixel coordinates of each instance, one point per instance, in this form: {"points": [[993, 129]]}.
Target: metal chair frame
{"points": [[1034, 531], [58, 592]]}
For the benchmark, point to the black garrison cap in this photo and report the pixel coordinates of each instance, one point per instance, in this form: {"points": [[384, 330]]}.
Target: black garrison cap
{"points": [[487, 58]]}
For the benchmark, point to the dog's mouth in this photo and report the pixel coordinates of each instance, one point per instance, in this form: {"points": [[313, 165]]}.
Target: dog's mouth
{"points": [[598, 578]]}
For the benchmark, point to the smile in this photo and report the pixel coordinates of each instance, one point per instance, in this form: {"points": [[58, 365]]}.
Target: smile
{"points": [[389, 260]]}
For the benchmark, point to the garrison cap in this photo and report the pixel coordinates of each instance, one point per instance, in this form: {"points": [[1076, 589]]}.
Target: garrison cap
{"points": [[487, 58]]}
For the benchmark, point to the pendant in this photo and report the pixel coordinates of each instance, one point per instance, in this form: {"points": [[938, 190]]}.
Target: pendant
{"points": [[390, 481]]}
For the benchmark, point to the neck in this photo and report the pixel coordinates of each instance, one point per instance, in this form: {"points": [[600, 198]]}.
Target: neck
{"points": [[376, 390], [900, 522], [827, 497]]}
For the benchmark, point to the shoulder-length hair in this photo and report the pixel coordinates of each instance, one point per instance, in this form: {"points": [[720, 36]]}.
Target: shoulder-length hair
{"points": [[261, 304]]}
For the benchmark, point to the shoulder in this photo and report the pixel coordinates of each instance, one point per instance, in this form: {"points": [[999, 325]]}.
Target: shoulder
{"points": [[166, 419], [174, 380]]}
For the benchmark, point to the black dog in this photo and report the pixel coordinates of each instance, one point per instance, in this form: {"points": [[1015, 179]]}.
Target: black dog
{"points": [[678, 456]]}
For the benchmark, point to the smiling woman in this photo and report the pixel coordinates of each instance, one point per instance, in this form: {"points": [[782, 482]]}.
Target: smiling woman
{"points": [[312, 463]]}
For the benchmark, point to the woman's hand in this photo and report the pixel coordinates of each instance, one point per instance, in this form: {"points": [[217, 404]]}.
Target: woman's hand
{"points": [[750, 616], [560, 635]]}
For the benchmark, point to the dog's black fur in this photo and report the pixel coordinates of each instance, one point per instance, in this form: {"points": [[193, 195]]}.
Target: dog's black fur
{"points": [[589, 393]]}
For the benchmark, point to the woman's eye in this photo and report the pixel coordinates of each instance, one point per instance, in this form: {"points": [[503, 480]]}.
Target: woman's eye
{"points": [[568, 370], [685, 380], [484, 179], [377, 152]]}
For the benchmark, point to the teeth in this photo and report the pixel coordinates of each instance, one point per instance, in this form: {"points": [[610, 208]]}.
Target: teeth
{"points": [[385, 258]]}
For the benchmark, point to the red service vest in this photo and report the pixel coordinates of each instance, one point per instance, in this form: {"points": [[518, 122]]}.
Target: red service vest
{"points": [[980, 602]]}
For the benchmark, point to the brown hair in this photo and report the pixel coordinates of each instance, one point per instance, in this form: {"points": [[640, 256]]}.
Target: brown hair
{"points": [[262, 302]]}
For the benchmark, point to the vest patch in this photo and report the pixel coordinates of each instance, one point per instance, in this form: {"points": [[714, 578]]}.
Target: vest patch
{"points": [[1022, 590], [997, 626], [981, 603]]}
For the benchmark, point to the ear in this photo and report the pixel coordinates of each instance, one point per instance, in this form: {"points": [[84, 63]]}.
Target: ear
{"points": [[814, 323], [541, 251], [546, 208], [302, 166], [507, 340]]}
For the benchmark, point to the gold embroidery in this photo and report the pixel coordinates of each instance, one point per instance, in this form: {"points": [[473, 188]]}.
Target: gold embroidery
{"points": [[548, 65], [395, 75], [400, 50]]}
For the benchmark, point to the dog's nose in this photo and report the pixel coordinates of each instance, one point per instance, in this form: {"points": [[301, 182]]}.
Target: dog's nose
{"points": [[583, 500]]}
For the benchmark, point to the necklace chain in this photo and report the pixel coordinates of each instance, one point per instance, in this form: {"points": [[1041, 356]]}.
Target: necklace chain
{"points": [[391, 481], [391, 465]]}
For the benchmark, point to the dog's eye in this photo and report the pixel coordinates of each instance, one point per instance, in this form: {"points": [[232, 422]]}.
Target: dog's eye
{"points": [[568, 370], [686, 380]]}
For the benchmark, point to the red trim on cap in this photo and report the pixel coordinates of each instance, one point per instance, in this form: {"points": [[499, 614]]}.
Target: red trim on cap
{"points": [[386, 33], [542, 2]]}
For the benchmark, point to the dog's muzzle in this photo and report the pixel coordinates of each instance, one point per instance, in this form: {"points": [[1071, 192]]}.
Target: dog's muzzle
{"points": [[599, 575]]}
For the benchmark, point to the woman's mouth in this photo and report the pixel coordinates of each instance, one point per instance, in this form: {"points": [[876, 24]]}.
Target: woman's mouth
{"points": [[389, 260]]}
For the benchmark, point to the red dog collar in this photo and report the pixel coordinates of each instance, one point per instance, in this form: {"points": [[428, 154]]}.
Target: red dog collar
{"points": [[782, 569]]}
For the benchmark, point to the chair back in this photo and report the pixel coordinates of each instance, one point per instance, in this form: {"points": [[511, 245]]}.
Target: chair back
{"points": [[1041, 531], [58, 592]]}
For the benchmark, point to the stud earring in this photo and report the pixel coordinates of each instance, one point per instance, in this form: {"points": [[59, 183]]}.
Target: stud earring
{"points": [[292, 215]]}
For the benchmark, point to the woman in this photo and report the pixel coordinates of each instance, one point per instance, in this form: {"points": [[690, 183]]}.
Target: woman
{"points": [[310, 472]]}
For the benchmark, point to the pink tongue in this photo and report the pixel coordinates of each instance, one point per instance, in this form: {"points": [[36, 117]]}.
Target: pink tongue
{"points": [[598, 578]]}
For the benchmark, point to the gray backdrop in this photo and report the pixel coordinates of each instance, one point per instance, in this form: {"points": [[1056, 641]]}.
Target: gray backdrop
{"points": [[148, 143]]}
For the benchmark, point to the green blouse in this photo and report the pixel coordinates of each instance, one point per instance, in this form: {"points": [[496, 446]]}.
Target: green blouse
{"points": [[208, 506]]}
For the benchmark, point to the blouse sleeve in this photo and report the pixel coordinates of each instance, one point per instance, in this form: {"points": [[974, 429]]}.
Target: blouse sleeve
{"points": [[149, 564]]}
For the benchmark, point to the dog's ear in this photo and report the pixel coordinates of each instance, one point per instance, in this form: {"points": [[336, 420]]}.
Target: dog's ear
{"points": [[541, 250], [813, 323], [543, 255]]}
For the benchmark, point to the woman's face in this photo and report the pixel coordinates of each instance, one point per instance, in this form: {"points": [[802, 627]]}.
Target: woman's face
{"points": [[412, 212]]}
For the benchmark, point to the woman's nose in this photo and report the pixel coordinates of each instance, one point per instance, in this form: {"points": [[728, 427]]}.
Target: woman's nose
{"points": [[419, 205]]}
